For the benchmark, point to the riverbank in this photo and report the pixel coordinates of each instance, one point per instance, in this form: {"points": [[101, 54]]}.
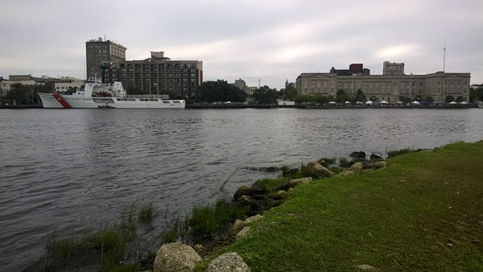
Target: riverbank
{"points": [[421, 213], [243, 106]]}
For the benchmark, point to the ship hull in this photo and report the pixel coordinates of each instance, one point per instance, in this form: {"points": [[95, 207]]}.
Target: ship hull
{"points": [[59, 101]]}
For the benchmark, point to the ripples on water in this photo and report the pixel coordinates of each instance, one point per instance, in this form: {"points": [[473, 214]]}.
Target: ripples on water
{"points": [[72, 170]]}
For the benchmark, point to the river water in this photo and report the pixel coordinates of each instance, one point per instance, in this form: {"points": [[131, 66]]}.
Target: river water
{"points": [[71, 170]]}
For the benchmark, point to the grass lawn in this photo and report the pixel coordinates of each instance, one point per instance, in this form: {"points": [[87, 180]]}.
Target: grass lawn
{"points": [[423, 212]]}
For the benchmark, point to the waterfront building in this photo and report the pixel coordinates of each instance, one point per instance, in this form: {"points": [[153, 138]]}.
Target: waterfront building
{"points": [[389, 88], [158, 73], [98, 53], [6, 84], [65, 86]]}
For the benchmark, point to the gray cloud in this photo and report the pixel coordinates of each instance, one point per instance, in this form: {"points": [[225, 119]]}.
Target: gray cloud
{"points": [[270, 41]]}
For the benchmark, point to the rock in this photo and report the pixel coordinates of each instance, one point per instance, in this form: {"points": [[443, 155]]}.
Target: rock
{"points": [[345, 173], [228, 262], [281, 194], [176, 257], [272, 169], [255, 206], [236, 226], [356, 168], [314, 168], [242, 233], [294, 182], [377, 165], [240, 224], [375, 156], [246, 200], [367, 267], [198, 248], [252, 219], [291, 172], [323, 163], [242, 190], [360, 154], [258, 189]]}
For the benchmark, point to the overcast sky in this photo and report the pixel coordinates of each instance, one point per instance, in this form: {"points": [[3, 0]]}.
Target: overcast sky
{"points": [[266, 41]]}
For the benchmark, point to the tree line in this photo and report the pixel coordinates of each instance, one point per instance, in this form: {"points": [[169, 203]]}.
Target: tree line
{"points": [[222, 91]]}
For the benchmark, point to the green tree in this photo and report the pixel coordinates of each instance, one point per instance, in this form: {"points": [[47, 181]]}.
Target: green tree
{"points": [[405, 99], [237, 95], [429, 99], [476, 94], [265, 96], [342, 96], [299, 99], [43, 88], [20, 93], [290, 93], [322, 99], [459, 99], [340, 92], [220, 90], [360, 96], [449, 98]]}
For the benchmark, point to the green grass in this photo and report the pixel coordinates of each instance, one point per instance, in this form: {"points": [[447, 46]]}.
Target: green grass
{"points": [[271, 184], [112, 246], [343, 161], [421, 213], [146, 213], [328, 161], [206, 221], [395, 153]]}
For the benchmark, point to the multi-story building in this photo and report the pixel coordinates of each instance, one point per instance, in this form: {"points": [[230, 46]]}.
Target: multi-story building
{"points": [[392, 68], [159, 73], [240, 84], [100, 52], [6, 84], [390, 88]]}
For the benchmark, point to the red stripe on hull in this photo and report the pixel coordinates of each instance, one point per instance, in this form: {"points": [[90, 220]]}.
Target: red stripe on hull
{"points": [[62, 101]]}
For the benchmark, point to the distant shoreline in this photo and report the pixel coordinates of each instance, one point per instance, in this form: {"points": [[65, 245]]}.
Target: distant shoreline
{"points": [[232, 106]]}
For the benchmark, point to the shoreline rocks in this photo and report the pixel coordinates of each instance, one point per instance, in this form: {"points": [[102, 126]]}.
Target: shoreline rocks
{"points": [[179, 257]]}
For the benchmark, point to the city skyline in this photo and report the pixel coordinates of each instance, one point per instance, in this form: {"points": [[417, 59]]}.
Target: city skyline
{"points": [[257, 43]]}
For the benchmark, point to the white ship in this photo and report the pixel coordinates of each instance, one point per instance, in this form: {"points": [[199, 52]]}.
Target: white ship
{"points": [[100, 95]]}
